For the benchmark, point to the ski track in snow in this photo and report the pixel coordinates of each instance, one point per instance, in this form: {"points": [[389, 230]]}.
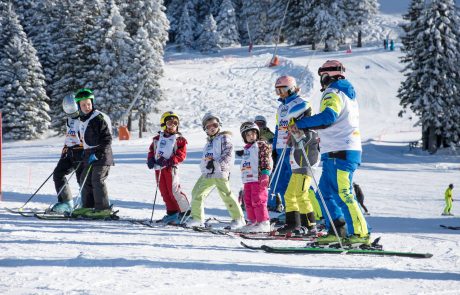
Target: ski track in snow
{"points": [[404, 192]]}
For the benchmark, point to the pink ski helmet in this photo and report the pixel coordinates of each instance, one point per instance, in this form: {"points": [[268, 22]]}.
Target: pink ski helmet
{"points": [[333, 68], [287, 82]]}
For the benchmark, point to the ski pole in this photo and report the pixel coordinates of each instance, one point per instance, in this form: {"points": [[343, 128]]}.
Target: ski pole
{"points": [[156, 193], [33, 195], [278, 166], [77, 199], [67, 180], [321, 194]]}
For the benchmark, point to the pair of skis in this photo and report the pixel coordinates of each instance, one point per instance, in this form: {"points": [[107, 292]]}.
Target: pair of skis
{"points": [[324, 250]]}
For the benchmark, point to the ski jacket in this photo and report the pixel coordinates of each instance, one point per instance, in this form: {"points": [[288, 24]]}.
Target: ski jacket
{"points": [[267, 135], [96, 133], [219, 150], [338, 122], [282, 121], [168, 146], [256, 161], [448, 193], [309, 144]]}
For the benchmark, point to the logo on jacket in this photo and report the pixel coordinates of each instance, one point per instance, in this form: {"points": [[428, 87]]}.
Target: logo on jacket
{"points": [[284, 110]]}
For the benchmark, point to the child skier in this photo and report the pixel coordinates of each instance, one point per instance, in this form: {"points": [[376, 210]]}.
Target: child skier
{"points": [[287, 90], [255, 171], [300, 217], [448, 199], [166, 152], [71, 158], [215, 172]]}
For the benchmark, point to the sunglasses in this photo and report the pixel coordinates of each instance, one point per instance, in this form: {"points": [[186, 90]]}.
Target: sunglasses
{"points": [[212, 125], [172, 123], [282, 90]]}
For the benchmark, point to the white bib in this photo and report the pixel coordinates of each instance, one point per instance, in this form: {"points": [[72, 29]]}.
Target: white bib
{"points": [[72, 137], [84, 125], [165, 146], [283, 122], [344, 134], [250, 164]]}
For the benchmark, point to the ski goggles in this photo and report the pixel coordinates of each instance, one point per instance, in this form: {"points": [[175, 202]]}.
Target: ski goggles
{"points": [[212, 125], [172, 123], [282, 90]]}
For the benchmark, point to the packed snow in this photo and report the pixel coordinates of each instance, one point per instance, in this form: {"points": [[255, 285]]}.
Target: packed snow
{"points": [[404, 192]]}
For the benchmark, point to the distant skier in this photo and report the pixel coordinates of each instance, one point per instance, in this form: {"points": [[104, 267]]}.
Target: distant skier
{"points": [[288, 92], [167, 151], [96, 133], [449, 199], [385, 44], [265, 132], [360, 197], [392, 45], [338, 124], [255, 171], [71, 158], [215, 173]]}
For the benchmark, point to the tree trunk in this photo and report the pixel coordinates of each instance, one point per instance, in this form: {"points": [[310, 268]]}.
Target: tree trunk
{"points": [[141, 119], [144, 122], [432, 140], [313, 46], [129, 122], [360, 44]]}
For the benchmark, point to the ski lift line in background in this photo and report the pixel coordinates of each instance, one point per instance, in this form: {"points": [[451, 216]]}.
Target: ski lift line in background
{"points": [[275, 60], [123, 132]]}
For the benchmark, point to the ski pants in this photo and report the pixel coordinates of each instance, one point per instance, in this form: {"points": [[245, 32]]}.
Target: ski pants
{"points": [[335, 185], [315, 204], [255, 200], [283, 174], [203, 188], [296, 195], [65, 166], [448, 205], [173, 196], [94, 191]]}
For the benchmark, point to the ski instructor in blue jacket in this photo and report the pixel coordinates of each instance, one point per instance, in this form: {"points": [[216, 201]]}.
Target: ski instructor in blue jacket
{"points": [[340, 144]]}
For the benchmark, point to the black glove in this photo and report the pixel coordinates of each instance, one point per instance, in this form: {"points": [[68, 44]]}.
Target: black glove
{"points": [[164, 162], [210, 166], [151, 163], [239, 153]]}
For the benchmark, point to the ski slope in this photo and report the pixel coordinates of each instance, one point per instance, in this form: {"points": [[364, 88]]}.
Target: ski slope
{"points": [[404, 192]]}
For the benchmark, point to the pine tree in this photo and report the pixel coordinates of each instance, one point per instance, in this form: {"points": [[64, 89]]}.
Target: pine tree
{"points": [[115, 83], [275, 14], [209, 40], [432, 82], [227, 25], [23, 99], [174, 10], [411, 28], [184, 36], [358, 13], [329, 23], [254, 14]]}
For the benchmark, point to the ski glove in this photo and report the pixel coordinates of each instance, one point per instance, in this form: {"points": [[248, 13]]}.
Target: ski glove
{"points": [[210, 166], [239, 153], [92, 158], [151, 163], [165, 162]]}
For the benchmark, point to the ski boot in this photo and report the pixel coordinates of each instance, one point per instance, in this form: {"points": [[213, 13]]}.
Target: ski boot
{"points": [[330, 237], [61, 208]]}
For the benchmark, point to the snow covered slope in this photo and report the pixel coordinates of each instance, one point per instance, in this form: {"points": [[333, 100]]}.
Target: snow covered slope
{"points": [[404, 193]]}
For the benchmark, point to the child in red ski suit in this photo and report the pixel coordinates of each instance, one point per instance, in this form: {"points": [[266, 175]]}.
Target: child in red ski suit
{"points": [[255, 172], [167, 150]]}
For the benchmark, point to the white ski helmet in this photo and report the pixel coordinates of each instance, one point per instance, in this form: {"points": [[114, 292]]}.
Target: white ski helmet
{"points": [[247, 126], [207, 117], [70, 106]]}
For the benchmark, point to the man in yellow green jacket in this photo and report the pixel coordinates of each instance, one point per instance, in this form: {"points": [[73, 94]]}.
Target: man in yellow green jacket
{"points": [[448, 198]]}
